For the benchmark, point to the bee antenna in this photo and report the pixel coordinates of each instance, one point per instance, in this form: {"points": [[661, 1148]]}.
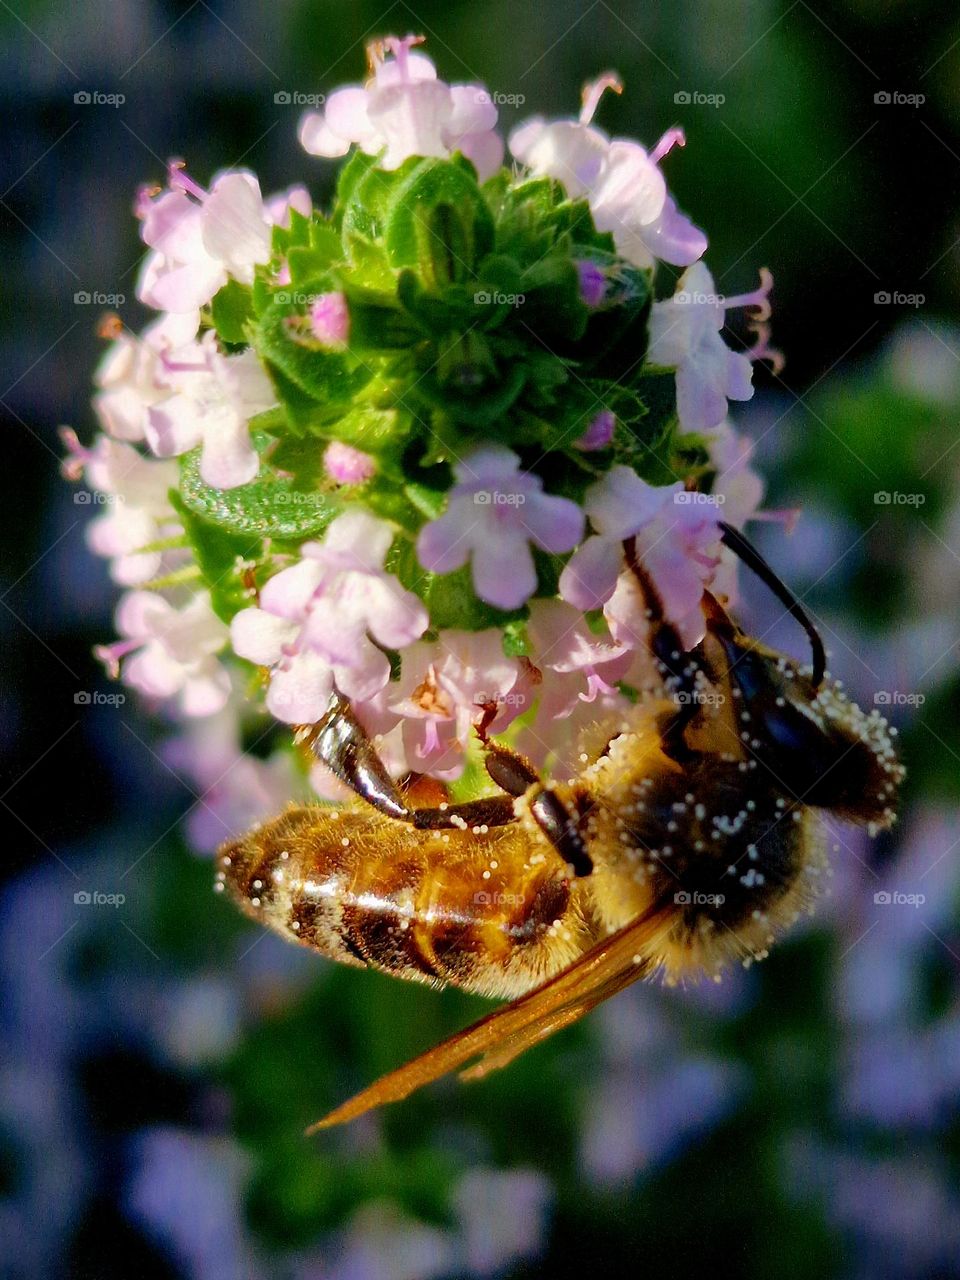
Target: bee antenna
{"points": [[752, 558]]}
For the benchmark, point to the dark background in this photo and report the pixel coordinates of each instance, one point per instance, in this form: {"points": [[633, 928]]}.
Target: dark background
{"points": [[159, 1061]]}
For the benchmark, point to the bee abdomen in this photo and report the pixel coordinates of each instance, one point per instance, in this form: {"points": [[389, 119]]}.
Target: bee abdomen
{"points": [[466, 908]]}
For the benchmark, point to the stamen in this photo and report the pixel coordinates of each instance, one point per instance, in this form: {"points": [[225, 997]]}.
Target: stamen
{"points": [[180, 180], [672, 138], [593, 91]]}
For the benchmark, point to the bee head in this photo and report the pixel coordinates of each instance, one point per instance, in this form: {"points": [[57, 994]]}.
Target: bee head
{"points": [[814, 743]]}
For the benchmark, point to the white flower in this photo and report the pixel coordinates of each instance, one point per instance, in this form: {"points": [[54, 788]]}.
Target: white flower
{"points": [[131, 376], [213, 398], [620, 180], [494, 512], [173, 651], [201, 238], [320, 622], [138, 511], [685, 334], [403, 111]]}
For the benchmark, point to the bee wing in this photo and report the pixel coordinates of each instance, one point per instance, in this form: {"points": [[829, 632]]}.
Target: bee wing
{"points": [[599, 973]]}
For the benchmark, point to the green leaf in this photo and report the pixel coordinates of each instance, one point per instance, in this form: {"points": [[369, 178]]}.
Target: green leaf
{"points": [[412, 212], [268, 507], [218, 552], [232, 308], [326, 376]]}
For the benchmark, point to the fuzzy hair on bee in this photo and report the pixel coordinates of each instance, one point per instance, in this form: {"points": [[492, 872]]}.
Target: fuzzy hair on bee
{"points": [[688, 838]]}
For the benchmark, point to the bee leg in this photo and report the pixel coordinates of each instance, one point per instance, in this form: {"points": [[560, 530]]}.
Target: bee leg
{"points": [[515, 775], [341, 743], [678, 665]]}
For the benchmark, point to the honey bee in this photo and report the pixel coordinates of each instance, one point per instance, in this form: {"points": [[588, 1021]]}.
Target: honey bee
{"points": [[689, 837]]}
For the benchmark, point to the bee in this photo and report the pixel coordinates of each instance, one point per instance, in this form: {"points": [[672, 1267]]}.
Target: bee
{"points": [[687, 839]]}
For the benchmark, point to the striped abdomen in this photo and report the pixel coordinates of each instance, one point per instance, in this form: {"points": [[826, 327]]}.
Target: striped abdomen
{"points": [[493, 912]]}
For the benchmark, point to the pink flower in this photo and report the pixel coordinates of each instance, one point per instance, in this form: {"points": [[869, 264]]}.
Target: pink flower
{"points": [[680, 550], [494, 512], [173, 651], [620, 180], [213, 398], [318, 620], [137, 511], [347, 465], [201, 238], [279, 206], [599, 433], [577, 666], [330, 320], [131, 376], [403, 111], [443, 691], [619, 505], [685, 334]]}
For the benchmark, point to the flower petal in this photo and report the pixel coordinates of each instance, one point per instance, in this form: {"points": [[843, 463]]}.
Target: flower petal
{"points": [[260, 636]]}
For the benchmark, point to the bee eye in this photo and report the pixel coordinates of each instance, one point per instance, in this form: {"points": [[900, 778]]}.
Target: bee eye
{"points": [[815, 744]]}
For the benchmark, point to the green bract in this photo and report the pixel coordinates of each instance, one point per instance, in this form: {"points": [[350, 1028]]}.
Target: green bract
{"points": [[467, 324]]}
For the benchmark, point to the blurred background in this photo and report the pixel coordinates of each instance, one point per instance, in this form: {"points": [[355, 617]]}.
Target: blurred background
{"points": [[159, 1057]]}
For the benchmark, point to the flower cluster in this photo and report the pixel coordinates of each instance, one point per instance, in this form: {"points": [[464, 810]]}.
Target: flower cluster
{"points": [[394, 450]]}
